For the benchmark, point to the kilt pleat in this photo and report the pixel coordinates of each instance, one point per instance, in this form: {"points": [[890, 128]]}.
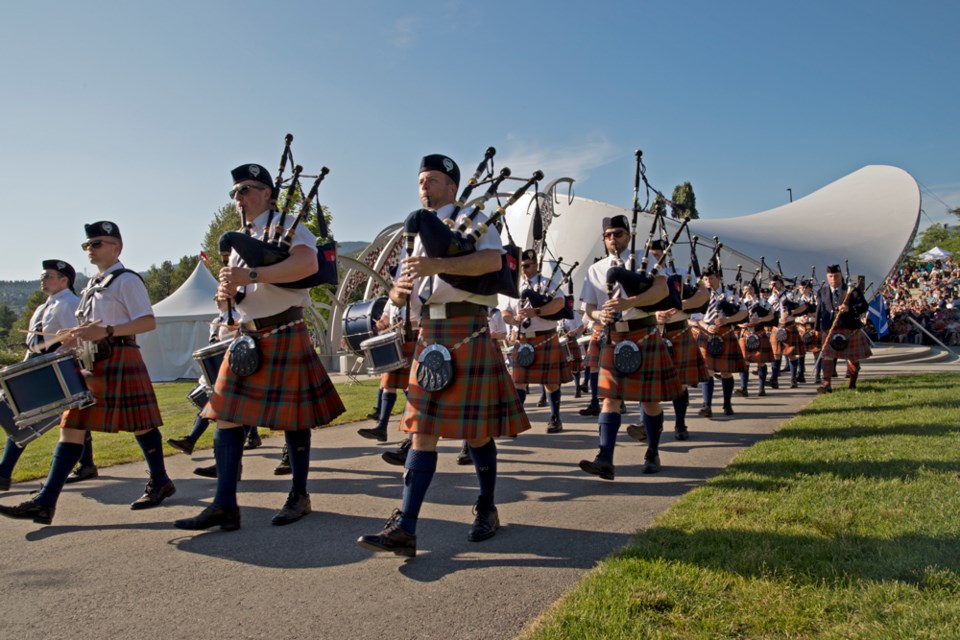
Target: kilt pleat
{"points": [[655, 381], [760, 355], [123, 396], [791, 348], [549, 366], [290, 391], [687, 357], [398, 378], [857, 349], [730, 361], [576, 364], [482, 399]]}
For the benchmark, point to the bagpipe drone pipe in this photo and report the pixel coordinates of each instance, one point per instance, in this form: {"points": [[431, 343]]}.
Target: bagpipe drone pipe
{"points": [[274, 247], [440, 241], [538, 299]]}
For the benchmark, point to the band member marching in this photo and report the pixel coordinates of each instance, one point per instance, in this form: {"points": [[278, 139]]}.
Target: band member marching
{"points": [[469, 396], [718, 342], [113, 309], [809, 337], [755, 342], [540, 361], [654, 379], [58, 312], [572, 329], [785, 339], [288, 389], [840, 306]]}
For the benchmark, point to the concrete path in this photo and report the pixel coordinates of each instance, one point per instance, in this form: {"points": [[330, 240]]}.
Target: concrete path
{"points": [[104, 571]]}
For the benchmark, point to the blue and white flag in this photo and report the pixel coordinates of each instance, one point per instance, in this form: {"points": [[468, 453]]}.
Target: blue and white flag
{"points": [[878, 316]]}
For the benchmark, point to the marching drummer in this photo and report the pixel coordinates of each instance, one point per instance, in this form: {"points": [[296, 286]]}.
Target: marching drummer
{"points": [[57, 313], [113, 309]]}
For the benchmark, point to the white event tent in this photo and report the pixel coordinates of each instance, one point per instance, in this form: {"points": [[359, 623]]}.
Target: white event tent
{"points": [[182, 328]]}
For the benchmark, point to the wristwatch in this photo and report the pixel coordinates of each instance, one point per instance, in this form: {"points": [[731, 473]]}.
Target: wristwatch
{"points": [[253, 275], [109, 330]]}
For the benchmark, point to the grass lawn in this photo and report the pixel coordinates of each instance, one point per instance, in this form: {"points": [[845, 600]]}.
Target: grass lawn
{"points": [[178, 415], [844, 524]]}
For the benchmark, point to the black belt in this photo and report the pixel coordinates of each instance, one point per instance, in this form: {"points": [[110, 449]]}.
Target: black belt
{"points": [[675, 326], [122, 341], [258, 324], [453, 310]]}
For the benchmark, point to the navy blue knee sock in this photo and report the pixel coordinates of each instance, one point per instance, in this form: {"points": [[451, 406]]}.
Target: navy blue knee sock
{"points": [[653, 426], [706, 389], [65, 457], [376, 408], [609, 426], [594, 384], [420, 467], [485, 462], [86, 458], [11, 453], [762, 375], [199, 428], [151, 443], [680, 404], [576, 378], [744, 380], [775, 371], [386, 408], [793, 369], [228, 452], [298, 448], [522, 394], [727, 385], [553, 399]]}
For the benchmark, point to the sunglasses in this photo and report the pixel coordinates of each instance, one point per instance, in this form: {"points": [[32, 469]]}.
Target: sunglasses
{"points": [[527, 264], [94, 244], [243, 190], [614, 234]]}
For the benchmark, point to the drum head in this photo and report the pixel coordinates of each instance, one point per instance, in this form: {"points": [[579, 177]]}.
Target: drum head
{"points": [[360, 321]]}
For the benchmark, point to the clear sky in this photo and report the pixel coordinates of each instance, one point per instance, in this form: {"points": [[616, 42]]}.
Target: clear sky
{"points": [[135, 112]]}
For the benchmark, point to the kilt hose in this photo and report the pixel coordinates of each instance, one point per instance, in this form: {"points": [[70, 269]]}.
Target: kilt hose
{"points": [[289, 392], [398, 378], [760, 355], [858, 348], [655, 381], [549, 366], [686, 357], [482, 399], [576, 364], [792, 348], [123, 396], [811, 344], [730, 360], [592, 359]]}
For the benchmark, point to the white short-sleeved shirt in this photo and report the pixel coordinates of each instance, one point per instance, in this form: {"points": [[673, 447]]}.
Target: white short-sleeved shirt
{"points": [[123, 301], [444, 292], [58, 312], [263, 300], [573, 324], [594, 289], [495, 322]]}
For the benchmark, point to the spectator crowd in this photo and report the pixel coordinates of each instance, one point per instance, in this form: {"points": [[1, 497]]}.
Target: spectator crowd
{"points": [[929, 293]]}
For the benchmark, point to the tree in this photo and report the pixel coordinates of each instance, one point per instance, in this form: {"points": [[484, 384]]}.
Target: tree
{"points": [[683, 195], [15, 338], [7, 318], [163, 280], [227, 218], [937, 235]]}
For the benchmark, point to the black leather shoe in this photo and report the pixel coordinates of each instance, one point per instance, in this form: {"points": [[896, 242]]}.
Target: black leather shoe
{"points": [[740, 392], [398, 457], [392, 538], [463, 458], [852, 385], [184, 444], [153, 496], [762, 393], [637, 432], [29, 510], [542, 402], [681, 434], [485, 524], [727, 410], [774, 384], [577, 393], [793, 384], [802, 379], [651, 462], [4, 484], [375, 414], [585, 387], [283, 468], [599, 467], [591, 410], [824, 389], [555, 425], [380, 435], [82, 472], [294, 508], [706, 412], [212, 516], [253, 441], [206, 472]]}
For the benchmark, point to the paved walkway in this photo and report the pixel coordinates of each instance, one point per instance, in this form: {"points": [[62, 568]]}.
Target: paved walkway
{"points": [[104, 571]]}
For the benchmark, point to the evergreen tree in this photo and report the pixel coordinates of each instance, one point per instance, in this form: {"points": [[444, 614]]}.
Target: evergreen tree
{"points": [[683, 195]]}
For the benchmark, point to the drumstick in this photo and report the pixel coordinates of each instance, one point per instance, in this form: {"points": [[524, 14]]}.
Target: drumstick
{"points": [[57, 338], [37, 333]]}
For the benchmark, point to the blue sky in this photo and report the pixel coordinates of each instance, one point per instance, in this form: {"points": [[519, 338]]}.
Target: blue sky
{"points": [[135, 112]]}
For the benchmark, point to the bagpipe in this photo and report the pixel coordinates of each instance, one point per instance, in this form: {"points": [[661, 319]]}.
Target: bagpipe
{"points": [[537, 297], [274, 246], [440, 240]]}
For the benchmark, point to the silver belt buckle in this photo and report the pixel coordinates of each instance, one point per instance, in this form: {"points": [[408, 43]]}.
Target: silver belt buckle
{"points": [[529, 334], [621, 326], [438, 312]]}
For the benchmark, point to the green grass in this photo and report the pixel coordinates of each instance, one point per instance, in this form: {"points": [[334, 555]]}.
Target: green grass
{"points": [[178, 415], [844, 524]]}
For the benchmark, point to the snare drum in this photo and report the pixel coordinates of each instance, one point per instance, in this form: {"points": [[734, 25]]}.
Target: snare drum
{"points": [[200, 395], [44, 387], [210, 358], [23, 435], [584, 344], [565, 348], [360, 322], [384, 353]]}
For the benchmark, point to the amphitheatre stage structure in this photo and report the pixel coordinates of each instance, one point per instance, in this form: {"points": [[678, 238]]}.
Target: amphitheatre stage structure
{"points": [[868, 218]]}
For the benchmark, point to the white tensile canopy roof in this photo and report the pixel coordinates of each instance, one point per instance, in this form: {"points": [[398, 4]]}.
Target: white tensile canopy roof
{"points": [[935, 254], [182, 328], [867, 218]]}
